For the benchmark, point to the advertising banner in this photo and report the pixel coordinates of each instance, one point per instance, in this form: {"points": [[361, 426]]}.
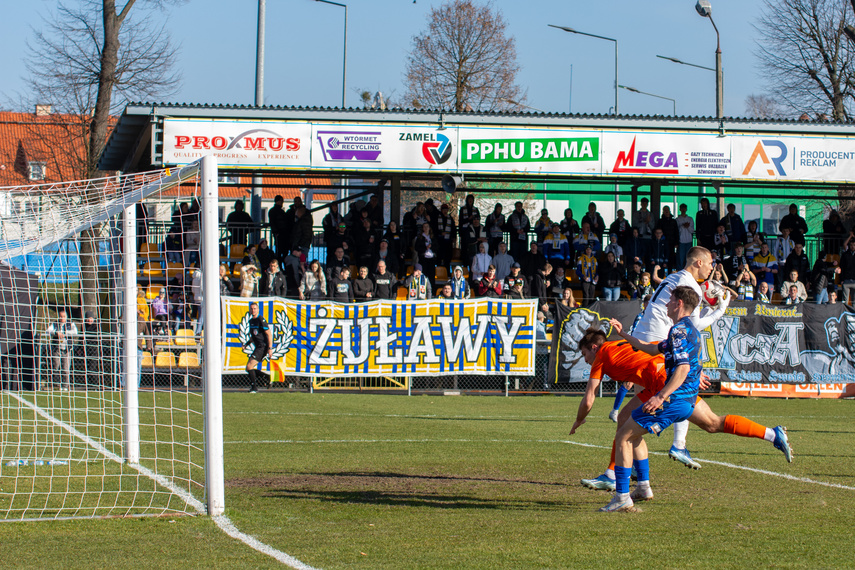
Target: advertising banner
{"points": [[751, 343], [667, 154], [415, 338], [555, 151], [760, 390], [237, 143], [823, 159], [372, 147]]}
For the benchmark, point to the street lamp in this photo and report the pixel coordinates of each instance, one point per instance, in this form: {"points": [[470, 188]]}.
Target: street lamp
{"points": [[518, 104], [705, 10], [344, 57], [572, 31], [634, 90]]}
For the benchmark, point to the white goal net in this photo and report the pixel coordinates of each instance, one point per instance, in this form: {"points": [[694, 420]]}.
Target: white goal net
{"points": [[105, 396]]}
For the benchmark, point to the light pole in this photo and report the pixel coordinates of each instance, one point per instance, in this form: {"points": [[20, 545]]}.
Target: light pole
{"points": [[572, 31], [344, 56], [704, 8], [634, 90], [518, 104]]}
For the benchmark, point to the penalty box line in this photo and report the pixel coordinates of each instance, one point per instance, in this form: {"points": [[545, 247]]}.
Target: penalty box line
{"points": [[222, 521], [576, 443]]}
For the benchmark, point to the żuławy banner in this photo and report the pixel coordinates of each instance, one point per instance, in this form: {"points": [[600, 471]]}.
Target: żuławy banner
{"points": [[752, 342], [406, 338]]}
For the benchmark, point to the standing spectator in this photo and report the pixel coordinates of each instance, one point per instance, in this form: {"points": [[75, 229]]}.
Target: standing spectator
{"points": [[765, 266], [249, 277], [706, 222], [543, 226], [417, 285], [393, 238], [643, 221], [784, 245], [239, 224], [833, 233], [477, 235], [633, 278], [432, 213], [794, 297], [540, 283], [595, 221], [532, 260], [464, 221], [313, 286], [821, 276], [753, 241], [459, 285], [567, 298], [265, 254], [764, 294], [363, 287], [329, 223], [796, 223], [364, 242], [613, 275], [340, 239], [518, 227], [303, 231], [734, 227], [634, 250], [685, 227], [488, 285], [513, 277], [558, 282], [671, 231], [480, 263], [336, 263], [847, 267], [384, 282], [585, 239], [722, 242], [160, 310], [734, 264], [227, 289], [797, 261], [276, 217], [745, 284], [502, 261], [197, 295], [586, 269], [495, 224], [555, 247], [445, 234], [61, 334], [621, 228], [272, 282], [374, 211], [615, 248], [192, 242], [427, 257], [341, 288], [385, 255], [251, 256], [517, 291], [569, 227], [144, 321], [660, 253], [293, 272]]}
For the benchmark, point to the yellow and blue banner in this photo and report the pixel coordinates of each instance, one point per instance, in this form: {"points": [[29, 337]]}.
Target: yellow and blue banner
{"points": [[386, 338]]}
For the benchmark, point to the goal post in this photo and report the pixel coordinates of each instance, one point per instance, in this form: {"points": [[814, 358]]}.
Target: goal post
{"points": [[113, 409]]}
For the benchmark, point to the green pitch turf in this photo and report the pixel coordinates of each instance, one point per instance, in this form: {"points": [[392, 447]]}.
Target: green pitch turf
{"points": [[365, 481]]}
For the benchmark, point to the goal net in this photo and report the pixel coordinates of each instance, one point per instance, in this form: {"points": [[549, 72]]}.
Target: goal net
{"points": [[107, 407]]}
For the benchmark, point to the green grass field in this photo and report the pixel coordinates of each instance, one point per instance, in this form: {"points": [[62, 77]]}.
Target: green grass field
{"points": [[370, 481]]}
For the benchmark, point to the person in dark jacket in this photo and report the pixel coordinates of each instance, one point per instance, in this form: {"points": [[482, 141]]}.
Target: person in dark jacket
{"points": [[363, 287], [796, 223], [540, 283], [272, 281], [341, 288], [706, 222], [302, 231], [293, 272], [384, 282], [532, 260], [821, 276], [276, 217]]}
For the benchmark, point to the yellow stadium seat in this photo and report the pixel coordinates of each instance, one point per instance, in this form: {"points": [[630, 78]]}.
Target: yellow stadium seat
{"points": [[152, 291], [188, 360], [173, 269], [402, 294], [152, 269], [148, 250], [236, 270], [164, 359], [354, 271], [146, 360], [238, 250], [441, 274], [184, 337], [455, 256]]}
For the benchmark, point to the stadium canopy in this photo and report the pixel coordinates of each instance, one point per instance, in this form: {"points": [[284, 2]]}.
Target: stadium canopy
{"points": [[676, 156]]}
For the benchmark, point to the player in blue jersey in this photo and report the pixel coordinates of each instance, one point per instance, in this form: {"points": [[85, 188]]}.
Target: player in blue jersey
{"points": [[675, 402]]}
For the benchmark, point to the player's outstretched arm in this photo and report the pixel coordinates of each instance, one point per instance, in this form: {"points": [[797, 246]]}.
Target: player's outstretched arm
{"points": [[651, 348], [709, 315], [586, 404]]}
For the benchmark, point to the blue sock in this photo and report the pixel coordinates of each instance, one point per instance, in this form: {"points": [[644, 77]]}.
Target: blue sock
{"points": [[622, 478], [642, 469], [621, 394]]}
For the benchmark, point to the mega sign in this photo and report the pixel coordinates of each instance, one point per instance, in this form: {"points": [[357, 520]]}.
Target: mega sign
{"points": [[666, 155], [483, 336]]}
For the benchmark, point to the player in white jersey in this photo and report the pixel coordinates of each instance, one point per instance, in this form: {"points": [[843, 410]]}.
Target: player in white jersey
{"points": [[654, 326]]}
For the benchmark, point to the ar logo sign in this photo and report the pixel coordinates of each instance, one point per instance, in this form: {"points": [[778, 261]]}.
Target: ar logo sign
{"points": [[760, 153]]}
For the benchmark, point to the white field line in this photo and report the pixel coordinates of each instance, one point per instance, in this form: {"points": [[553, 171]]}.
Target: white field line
{"points": [[221, 521], [468, 416], [576, 443]]}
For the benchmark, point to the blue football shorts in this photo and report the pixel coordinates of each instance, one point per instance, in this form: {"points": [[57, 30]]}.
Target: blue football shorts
{"points": [[672, 411]]}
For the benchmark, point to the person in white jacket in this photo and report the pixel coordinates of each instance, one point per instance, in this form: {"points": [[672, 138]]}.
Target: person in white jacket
{"points": [[480, 263]]}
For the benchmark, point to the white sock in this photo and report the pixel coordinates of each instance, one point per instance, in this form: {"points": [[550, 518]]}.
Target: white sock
{"points": [[644, 484], [610, 473], [680, 431], [770, 435], [622, 496]]}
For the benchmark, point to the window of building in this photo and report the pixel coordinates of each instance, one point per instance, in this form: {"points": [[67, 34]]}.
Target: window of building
{"points": [[37, 171]]}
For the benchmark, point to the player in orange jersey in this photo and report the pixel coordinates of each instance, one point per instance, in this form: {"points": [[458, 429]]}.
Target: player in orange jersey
{"points": [[620, 362]]}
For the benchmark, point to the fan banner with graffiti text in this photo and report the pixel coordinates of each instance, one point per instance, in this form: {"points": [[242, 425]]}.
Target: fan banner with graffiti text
{"points": [[751, 342], [386, 338]]}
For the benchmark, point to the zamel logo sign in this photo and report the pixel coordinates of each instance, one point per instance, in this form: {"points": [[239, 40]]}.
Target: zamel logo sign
{"points": [[646, 162], [262, 140], [775, 161], [437, 151], [357, 146]]}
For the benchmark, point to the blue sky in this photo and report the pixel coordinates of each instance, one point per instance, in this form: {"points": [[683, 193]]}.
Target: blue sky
{"points": [[304, 51]]}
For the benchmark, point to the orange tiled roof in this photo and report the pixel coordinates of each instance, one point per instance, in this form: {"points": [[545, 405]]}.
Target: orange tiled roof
{"points": [[56, 140], [229, 191]]}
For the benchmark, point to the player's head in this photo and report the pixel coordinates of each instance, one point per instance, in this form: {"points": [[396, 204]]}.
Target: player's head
{"points": [[699, 263], [682, 303], [590, 343], [253, 309]]}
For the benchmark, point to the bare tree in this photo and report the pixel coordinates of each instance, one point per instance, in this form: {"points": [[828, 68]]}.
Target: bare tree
{"points": [[762, 107], [803, 48], [464, 61], [90, 59]]}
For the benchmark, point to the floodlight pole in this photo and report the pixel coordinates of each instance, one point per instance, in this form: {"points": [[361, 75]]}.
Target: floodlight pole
{"points": [[574, 31], [256, 197], [344, 56], [640, 92]]}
